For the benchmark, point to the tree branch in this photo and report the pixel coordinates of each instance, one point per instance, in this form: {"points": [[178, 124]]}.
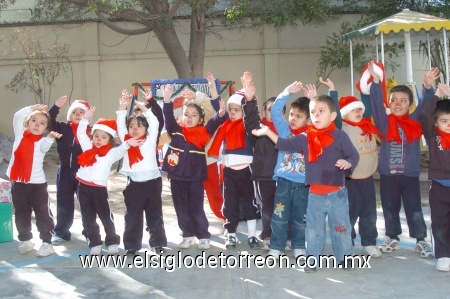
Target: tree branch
{"points": [[119, 29]]}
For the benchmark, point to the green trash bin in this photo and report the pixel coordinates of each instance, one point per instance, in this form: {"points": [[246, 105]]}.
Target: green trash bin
{"points": [[6, 226]]}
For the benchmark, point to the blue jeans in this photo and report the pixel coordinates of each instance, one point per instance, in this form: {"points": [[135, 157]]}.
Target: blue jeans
{"points": [[335, 205], [291, 200]]}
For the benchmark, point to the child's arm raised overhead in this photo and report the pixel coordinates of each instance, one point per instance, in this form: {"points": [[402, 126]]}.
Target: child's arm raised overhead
{"points": [[251, 115], [152, 120], [169, 118], [426, 116], [332, 92], [155, 108], [54, 111], [377, 101], [83, 138], [429, 78], [278, 119], [124, 101]]}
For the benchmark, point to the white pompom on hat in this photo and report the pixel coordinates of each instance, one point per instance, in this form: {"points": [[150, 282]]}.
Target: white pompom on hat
{"points": [[348, 103], [236, 98], [77, 104], [107, 125]]}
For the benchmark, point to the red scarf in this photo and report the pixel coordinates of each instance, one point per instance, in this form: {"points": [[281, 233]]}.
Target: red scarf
{"points": [[23, 158], [134, 152], [299, 130], [412, 128], [269, 124], [89, 157], [318, 140], [233, 132], [445, 138], [197, 135], [74, 127], [366, 126]]}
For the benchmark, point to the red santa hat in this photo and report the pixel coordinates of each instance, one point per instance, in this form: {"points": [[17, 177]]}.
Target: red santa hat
{"points": [[348, 103], [107, 125], [236, 98], [77, 104], [365, 81]]}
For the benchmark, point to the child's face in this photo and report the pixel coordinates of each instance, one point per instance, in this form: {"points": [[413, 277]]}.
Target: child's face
{"points": [[443, 122], [191, 117], [355, 115], [37, 124], [100, 138], [266, 113], [297, 118], [77, 115], [234, 111], [321, 116], [136, 129], [399, 103]]}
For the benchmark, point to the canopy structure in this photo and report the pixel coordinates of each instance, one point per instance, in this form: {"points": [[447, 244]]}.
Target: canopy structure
{"points": [[403, 24]]}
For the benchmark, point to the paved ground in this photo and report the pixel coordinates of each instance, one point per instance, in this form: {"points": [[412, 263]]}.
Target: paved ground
{"points": [[402, 274]]}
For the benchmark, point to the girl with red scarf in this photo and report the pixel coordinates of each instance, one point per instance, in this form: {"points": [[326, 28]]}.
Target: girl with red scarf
{"points": [[144, 188], [435, 120], [185, 165], [95, 164], [25, 169]]}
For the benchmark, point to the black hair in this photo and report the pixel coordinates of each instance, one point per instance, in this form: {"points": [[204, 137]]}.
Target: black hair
{"points": [[302, 104], [199, 110], [402, 88], [322, 98], [140, 119], [442, 107]]}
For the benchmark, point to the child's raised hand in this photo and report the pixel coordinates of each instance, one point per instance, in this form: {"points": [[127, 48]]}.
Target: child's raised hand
{"points": [[246, 77], [327, 82], [141, 106], [148, 94], [262, 131], [343, 164], [249, 90], [134, 142], [88, 114], [124, 100], [211, 80], [295, 87], [40, 107], [222, 108], [167, 93], [310, 91], [61, 101], [54, 135], [188, 94], [444, 90], [430, 77], [375, 77]]}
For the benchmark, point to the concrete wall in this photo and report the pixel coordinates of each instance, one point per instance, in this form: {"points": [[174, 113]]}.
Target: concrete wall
{"points": [[105, 62]]}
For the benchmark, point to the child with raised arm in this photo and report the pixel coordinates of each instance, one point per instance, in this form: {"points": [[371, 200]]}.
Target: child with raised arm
{"points": [[185, 165], [25, 170], [69, 149], [291, 194], [399, 166], [264, 155], [143, 191], [95, 164], [330, 157], [435, 120]]}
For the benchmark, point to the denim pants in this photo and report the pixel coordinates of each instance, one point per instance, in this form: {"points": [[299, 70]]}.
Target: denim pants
{"points": [[335, 206], [291, 200]]}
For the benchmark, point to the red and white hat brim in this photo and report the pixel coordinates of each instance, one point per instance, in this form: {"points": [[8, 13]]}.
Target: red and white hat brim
{"points": [[105, 128], [353, 105], [75, 105], [366, 79]]}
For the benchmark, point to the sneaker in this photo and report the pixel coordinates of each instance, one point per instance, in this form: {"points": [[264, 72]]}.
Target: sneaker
{"points": [[299, 252], [309, 269], [230, 242], [424, 249], [389, 244], [348, 266], [57, 240], [113, 249], [443, 264], [275, 253], [254, 243], [288, 245], [25, 246], [96, 250], [373, 251], [187, 242], [203, 244], [158, 249], [131, 252], [266, 244], [45, 250]]}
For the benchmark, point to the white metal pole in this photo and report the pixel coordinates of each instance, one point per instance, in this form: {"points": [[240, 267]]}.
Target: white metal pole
{"points": [[376, 48], [382, 48], [351, 65], [446, 54], [429, 51], [409, 76]]}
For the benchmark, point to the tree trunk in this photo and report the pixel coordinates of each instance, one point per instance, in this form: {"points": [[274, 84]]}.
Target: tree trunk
{"points": [[197, 43]]}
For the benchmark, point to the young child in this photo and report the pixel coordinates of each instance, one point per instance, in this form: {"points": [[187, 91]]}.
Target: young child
{"points": [[144, 188], [435, 119], [237, 155], [399, 166], [330, 157], [69, 149], [264, 155], [25, 170], [291, 196], [95, 165], [185, 165]]}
